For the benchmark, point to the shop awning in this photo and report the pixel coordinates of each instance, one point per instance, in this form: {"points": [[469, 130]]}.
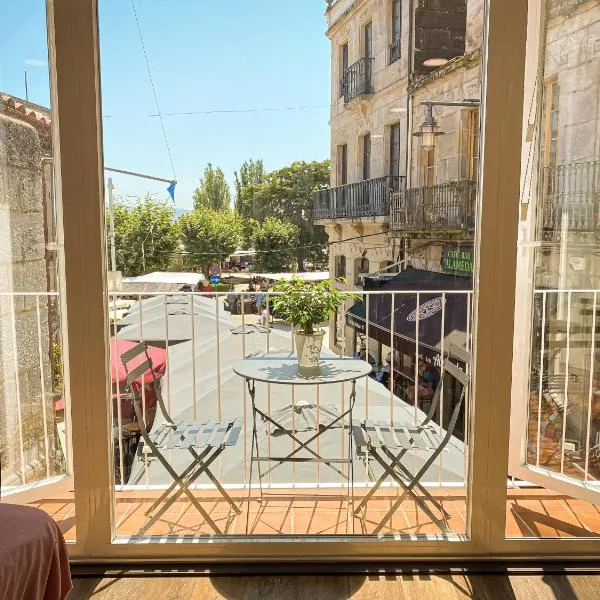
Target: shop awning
{"points": [[441, 304]]}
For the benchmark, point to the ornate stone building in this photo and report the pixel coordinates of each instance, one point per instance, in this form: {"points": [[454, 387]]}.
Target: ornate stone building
{"points": [[384, 61]]}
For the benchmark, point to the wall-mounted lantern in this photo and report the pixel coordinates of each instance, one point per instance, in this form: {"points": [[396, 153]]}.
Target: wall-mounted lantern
{"points": [[429, 130]]}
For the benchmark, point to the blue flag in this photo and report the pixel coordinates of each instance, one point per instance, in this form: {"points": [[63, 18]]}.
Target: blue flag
{"points": [[171, 190]]}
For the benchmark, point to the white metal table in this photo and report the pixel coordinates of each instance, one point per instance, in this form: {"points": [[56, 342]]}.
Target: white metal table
{"points": [[283, 370]]}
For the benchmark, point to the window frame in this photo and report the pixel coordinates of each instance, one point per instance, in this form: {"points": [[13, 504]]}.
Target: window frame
{"points": [[367, 40], [473, 143], [426, 168], [551, 91], [392, 127], [343, 64], [366, 149], [74, 63], [341, 166]]}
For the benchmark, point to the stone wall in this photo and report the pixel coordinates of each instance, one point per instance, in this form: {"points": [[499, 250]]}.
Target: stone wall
{"points": [[451, 159], [375, 246], [25, 371], [440, 29], [573, 57]]}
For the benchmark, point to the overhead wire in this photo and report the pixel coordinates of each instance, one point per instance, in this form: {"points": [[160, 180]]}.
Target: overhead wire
{"points": [[162, 123], [227, 111], [286, 250]]}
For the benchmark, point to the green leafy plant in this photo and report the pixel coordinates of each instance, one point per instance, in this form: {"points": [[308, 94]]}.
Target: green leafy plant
{"points": [[221, 287], [305, 305]]}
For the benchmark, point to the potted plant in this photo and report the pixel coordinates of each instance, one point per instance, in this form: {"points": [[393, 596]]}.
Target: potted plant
{"points": [[305, 306]]}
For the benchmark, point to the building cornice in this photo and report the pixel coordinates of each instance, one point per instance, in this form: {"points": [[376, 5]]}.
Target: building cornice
{"points": [[460, 62], [342, 18]]}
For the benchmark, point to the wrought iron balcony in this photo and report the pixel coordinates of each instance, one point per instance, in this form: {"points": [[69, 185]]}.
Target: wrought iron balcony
{"points": [[571, 197], [368, 198], [356, 79], [394, 51], [444, 207]]}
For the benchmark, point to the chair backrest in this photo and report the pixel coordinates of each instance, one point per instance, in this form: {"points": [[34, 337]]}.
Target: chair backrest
{"points": [[463, 378], [134, 373], [454, 371]]}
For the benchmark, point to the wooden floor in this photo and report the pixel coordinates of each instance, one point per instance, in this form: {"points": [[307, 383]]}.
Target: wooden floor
{"points": [[388, 587], [532, 513]]}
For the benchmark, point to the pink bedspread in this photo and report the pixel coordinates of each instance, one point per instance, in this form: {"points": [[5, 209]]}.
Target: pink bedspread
{"points": [[33, 556]]}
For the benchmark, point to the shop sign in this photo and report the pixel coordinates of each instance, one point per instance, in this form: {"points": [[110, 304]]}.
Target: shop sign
{"points": [[457, 260]]}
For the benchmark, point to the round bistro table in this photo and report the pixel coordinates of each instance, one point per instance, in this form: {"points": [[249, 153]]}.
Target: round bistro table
{"points": [[284, 370]]}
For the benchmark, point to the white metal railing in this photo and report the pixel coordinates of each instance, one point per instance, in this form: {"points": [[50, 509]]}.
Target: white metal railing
{"points": [[564, 437], [207, 387], [33, 433]]}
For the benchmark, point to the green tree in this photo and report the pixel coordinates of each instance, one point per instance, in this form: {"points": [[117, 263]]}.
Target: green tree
{"points": [[249, 227], [288, 195], [275, 241], [252, 174], [212, 191], [146, 236], [210, 236]]}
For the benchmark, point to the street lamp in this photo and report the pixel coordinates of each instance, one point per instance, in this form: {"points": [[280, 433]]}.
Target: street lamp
{"points": [[429, 129]]}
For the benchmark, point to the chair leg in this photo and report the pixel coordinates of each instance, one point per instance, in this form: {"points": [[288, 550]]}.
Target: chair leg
{"points": [[172, 487], [378, 482], [420, 487], [408, 490], [214, 480], [183, 488]]}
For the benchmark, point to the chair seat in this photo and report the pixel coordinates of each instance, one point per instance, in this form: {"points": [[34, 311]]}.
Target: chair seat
{"points": [[396, 437], [198, 435]]}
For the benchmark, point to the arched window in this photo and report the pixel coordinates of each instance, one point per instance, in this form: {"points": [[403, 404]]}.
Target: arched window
{"points": [[340, 266], [361, 266]]}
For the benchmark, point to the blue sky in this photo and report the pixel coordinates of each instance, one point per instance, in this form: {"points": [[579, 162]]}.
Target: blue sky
{"points": [[205, 55]]}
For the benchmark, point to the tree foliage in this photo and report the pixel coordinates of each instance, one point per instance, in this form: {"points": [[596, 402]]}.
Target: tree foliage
{"points": [[210, 236], [146, 236], [275, 241], [252, 174], [287, 194], [212, 191]]}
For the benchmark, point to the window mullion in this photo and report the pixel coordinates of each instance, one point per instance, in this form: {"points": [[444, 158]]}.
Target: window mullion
{"points": [[74, 64], [495, 270]]}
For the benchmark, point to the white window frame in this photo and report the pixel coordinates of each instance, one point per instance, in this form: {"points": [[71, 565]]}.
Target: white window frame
{"points": [[73, 32]]}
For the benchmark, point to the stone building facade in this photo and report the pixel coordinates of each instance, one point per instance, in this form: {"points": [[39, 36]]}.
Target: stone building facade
{"points": [[28, 323], [400, 37], [366, 37]]}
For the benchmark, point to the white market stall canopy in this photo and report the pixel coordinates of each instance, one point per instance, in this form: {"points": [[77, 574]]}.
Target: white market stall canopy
{"points": [[309, 276], [166, 277]]}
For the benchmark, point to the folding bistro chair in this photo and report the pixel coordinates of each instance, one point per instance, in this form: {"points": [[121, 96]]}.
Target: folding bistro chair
{"points": [[388, 444], [205, 440]]}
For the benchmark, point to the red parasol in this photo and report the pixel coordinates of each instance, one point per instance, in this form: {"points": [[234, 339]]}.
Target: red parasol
{"points": [[118, 376]]}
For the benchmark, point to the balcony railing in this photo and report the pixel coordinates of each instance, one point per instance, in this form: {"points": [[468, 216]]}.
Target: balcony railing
{"points": [[571, 197], [198, 383], [448, 206], [356, 79], [394, 51], [367, 198]]}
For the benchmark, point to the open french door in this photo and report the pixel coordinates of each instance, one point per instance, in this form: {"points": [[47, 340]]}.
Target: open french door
{"points": [[555, 433]]}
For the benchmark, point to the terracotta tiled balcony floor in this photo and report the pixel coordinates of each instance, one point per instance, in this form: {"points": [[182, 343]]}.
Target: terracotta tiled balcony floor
{"points": [[529, 513]]}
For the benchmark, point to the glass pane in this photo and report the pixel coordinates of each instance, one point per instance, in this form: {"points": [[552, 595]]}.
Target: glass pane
{"points": [[555, 467], [34, 413], [286, 177]]}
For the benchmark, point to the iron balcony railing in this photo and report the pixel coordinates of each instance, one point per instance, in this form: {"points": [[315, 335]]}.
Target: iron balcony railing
{"points": [[571, 197], [394, 51], [447, 206], [356, 79], [367, 198]]}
